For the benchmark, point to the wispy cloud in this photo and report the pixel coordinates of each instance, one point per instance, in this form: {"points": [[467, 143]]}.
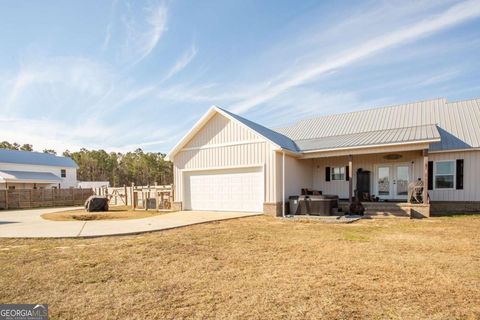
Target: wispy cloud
{"points": [[109, 29], [144, 35], [182, 62], [454, 15], [108, 36], [62, 77]]}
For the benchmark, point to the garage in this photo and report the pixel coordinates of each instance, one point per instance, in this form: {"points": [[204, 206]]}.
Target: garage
{"points": [[240, 189]]}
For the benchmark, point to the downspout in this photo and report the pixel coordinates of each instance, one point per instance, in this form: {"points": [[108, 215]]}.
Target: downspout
{"points": [[283, 184]]}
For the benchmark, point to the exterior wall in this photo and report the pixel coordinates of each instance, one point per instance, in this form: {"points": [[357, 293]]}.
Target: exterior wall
{"points": [[298, 175], [223, 144], [367, 163], [471, 177], [454, 207], [220, 130], [21, 186], [70, 181], [273, 209]]}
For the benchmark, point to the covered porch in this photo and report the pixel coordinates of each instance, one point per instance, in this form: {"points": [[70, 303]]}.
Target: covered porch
{"points": [[10, 179], [380, 177]]}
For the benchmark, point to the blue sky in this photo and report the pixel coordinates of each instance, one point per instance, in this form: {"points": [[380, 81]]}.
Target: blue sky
{"points": [[121, 75]]}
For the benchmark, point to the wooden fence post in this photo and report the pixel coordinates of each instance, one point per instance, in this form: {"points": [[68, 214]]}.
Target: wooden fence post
{"points": [[131, 196], [6, 198], [125, 193]]}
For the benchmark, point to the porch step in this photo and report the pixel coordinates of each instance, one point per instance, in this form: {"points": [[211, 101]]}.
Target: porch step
{"points": [[379, 214]]}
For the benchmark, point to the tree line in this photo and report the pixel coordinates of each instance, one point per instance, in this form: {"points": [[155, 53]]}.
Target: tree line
{"points": [[139, 167]]}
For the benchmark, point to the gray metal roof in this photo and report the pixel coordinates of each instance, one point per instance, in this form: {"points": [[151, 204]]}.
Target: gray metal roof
{"points": [[276, 137], [19, 176], [458, 124], [35, 158], [427, 133]]}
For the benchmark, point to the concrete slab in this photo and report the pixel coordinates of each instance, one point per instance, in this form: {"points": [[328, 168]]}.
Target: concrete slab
{"points": [[29, 223]]}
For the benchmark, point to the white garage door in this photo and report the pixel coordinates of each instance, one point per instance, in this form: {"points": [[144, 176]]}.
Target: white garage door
{"points": [[225, 190]]}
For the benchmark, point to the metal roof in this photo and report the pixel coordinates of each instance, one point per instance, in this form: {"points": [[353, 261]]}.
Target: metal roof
{"points": [[276, 137], [35, 158], [27, 176], [418, 134], [458, 123]]}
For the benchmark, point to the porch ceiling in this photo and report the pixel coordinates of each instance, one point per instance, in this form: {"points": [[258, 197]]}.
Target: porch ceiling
{"points": [[364, 150]]}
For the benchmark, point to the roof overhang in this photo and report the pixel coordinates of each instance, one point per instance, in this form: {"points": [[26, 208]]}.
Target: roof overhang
{"points": [[398, 147], [28, 177], [201, 123]]}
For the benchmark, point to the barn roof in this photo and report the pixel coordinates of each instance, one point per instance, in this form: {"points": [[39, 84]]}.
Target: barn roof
{"points": [[35, 158]]}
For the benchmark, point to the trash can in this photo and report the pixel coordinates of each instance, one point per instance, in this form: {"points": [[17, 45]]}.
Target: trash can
{"points": [[304, 205], [151, 203], [294, 204]]}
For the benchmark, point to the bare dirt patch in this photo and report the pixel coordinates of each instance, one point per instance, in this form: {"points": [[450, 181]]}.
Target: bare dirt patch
{"points": [[257, 267], [114, 213]]}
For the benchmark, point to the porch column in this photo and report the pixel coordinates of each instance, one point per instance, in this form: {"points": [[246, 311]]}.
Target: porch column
{"points": [[350, 179], [425, 176]]}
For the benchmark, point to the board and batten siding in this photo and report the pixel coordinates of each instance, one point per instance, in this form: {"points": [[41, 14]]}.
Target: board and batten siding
{"points": [[471, 177], [221, 144], [220, 130]]}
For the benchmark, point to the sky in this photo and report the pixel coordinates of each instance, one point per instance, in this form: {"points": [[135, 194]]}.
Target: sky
{"points": [[120, 75]]}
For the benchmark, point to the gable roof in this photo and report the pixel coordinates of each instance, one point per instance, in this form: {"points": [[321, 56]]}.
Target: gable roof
{"points": [[35, 158], [444, 125], [276, 138], [457, 123]]}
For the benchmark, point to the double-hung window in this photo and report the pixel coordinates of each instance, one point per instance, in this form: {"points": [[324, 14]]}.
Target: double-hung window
{"points": [[338, 173], [444, 174]]}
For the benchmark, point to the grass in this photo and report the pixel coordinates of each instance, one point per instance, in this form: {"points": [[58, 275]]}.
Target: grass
{"points": [[114, 213], [258, 267]]}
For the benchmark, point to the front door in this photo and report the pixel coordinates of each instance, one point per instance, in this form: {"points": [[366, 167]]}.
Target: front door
{"points": [[392, 181]]}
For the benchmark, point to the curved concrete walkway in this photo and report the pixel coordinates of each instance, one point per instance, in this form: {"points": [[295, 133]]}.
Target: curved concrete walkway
{"points": [[29, 224]]}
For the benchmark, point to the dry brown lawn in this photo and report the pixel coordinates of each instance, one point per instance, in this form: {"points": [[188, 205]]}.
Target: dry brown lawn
{"points": [[258, 267], [113, 213]]}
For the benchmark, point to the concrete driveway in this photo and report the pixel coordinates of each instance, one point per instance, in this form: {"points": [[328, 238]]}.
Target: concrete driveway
{"points": [[29, 224]]}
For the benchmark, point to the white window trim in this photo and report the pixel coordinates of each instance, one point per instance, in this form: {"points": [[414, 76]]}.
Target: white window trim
{"points": [[344, 173], [435, 175]]}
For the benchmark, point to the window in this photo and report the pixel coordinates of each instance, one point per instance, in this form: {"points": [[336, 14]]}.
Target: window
{"points": [[444, 174], [11, 187], [338, 173], [63, 173]]}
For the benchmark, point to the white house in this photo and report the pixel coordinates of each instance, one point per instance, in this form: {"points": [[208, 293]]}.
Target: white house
{"points": [[226, 162], [35, 170]]}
